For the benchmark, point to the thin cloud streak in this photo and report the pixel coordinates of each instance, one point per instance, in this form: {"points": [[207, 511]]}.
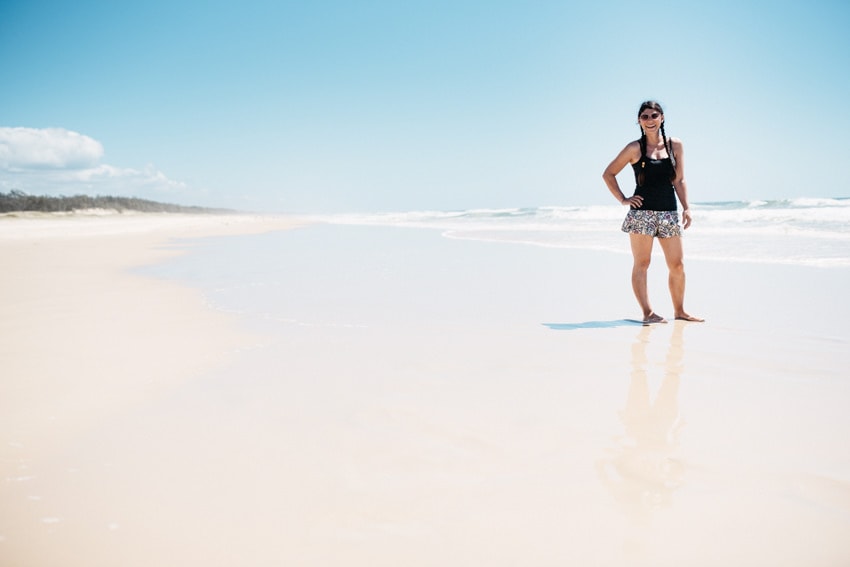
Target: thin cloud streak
{"points": [[56, 161]]}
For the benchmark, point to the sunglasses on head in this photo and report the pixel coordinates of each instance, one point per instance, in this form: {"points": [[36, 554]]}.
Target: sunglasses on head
{"points": [[652, 116]]}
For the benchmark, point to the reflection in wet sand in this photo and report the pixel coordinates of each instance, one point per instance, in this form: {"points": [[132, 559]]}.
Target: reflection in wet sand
{"points": [[641, 470]]}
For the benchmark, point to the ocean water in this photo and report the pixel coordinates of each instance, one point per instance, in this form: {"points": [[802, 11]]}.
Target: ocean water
{"points": [[806, 232], [562, 265]]}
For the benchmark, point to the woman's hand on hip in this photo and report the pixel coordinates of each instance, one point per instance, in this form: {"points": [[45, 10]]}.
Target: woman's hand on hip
{"points": [[635, 201]]}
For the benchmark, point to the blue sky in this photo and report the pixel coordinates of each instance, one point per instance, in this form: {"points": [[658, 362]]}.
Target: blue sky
{"points": [[328, 105]]}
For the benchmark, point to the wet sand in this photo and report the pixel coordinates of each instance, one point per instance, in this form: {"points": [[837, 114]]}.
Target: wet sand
{"points": [[418, 401]]}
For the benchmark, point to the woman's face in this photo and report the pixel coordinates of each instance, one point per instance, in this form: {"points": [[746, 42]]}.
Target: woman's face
{"points": [[650, 119]]}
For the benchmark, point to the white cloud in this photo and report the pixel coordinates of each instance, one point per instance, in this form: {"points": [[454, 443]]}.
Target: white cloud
{"points": [[104, 175], [24, 149], [55, 161]]}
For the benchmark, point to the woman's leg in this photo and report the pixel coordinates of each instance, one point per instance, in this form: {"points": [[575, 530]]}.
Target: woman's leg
{"points": [[642, 253], [673, 254]]}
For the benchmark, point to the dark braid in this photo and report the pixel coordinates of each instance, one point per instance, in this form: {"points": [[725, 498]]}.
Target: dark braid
{"points": [[640, 175], [668, 146]]}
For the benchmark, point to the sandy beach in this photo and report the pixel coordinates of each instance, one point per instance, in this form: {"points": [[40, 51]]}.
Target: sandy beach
{"points": [[83, 339], [374, 396]]}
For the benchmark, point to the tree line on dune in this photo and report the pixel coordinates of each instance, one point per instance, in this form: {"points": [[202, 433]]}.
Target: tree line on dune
{"points": [[18, 201]]}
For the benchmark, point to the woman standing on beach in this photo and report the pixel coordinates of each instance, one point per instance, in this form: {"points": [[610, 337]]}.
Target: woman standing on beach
{"points": [[660, 174]]}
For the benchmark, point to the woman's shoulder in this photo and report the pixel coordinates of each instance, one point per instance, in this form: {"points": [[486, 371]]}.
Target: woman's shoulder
{"points": [[676, 142], [633, 149]]}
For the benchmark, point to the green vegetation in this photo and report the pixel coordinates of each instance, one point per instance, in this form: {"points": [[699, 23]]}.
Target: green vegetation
{"points": [[18, 201]]}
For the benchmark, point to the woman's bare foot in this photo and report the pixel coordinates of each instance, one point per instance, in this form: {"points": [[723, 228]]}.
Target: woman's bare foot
{"points": [[654, 318], [691, 318]]}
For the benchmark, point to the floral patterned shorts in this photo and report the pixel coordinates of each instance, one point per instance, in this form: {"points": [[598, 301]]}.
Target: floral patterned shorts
{"points": [[662, 224]]}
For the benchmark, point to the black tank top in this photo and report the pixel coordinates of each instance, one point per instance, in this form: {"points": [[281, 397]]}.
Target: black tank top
{"points": [[657, 189]]}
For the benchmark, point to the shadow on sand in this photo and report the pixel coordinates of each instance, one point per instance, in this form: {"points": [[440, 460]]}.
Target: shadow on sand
{"points": [[594, 325]]}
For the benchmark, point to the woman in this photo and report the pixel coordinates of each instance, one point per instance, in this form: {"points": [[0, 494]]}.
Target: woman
{"points": [[660, 174]]}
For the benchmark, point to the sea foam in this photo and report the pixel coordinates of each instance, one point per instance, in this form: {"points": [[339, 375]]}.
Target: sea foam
{"points": [[805, 231]]}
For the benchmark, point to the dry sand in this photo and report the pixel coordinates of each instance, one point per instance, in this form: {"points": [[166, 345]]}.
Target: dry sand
{"points": [[82, 339], [81, 335]]}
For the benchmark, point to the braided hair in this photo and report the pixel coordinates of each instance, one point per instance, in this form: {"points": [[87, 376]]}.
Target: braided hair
{"points": [[668, 145]]}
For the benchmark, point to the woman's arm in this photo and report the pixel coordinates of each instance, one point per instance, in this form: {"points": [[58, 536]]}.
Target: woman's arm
{"points": [[629, 154], [679, 183]]}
